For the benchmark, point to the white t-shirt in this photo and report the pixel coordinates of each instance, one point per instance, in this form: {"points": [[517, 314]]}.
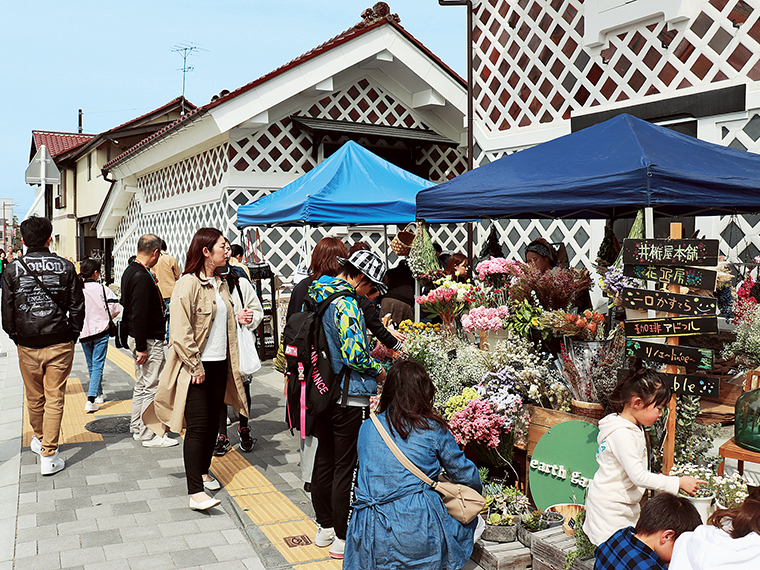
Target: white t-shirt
{"points": [[216, 345]]}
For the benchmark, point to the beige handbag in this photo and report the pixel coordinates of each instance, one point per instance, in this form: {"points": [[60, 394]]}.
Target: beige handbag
{"points": [[462, 502]]}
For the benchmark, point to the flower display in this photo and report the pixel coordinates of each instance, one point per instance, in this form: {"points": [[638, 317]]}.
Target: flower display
{"points": [[555, 289], [497, 271], [500, 389], [730, 490], [458, 402], [746, 347], [613, 281], [698, 472], [478, 422], [588, 326], [485, 319]]}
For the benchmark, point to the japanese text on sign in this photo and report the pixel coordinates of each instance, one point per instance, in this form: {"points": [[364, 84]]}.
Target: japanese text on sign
{"points": [[677, 326], [670, 354], [686, 276], [670, 252], [670, 302]]}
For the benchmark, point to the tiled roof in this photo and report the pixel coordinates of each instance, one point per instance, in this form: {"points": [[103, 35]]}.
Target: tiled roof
{"points": [[188, 105], [58, 143], [371, 20]]}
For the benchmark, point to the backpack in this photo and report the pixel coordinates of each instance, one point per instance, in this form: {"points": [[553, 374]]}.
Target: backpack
{"points": [[312, 385]]}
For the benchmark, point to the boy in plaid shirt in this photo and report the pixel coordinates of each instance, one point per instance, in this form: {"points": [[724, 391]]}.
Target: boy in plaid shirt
{"points": [[649, 546]]}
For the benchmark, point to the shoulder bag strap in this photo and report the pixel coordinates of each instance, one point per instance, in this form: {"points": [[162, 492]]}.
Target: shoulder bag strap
{"points": [[105, 302], [41, 284], [403, 459]]}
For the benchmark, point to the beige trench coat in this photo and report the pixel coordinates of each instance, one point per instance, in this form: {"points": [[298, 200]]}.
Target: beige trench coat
{"points": [[192, 310]]}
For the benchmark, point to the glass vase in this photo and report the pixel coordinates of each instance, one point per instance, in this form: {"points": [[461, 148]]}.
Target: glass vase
{"points": [[747, 424]]}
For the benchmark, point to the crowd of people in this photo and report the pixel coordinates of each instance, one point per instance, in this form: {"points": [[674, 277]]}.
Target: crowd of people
{"points": [[372, 511]]}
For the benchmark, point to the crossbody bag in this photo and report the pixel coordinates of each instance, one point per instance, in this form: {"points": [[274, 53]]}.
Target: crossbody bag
{"points": [[462, 502]]}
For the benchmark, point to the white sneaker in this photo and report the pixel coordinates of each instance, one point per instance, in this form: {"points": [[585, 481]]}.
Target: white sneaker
{"points": [[324, 537], [136, 436], [160, 441], [100, 399], [51, 465], [36, 445], [90, 407], [337, 548]]}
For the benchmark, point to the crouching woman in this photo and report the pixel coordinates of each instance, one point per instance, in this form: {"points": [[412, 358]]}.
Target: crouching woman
{"points": [[399, 521], [202, 371]]}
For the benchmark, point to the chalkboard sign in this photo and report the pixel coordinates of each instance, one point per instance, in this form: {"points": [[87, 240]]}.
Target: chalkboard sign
{"points": [[703, 252], [670, 302], [675, 326], [693, 384], [686, 276], [670, 354]]}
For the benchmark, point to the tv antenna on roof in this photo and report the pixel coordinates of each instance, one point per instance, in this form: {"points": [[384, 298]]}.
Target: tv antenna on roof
{"points": [[185, 49]]}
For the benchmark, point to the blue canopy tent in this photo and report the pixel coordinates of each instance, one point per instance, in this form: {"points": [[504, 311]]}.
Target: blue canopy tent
{"points": [[609, 170], [352, 186]]}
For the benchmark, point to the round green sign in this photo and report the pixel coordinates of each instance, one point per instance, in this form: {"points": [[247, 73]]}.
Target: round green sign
{"points": [[563, 464]]}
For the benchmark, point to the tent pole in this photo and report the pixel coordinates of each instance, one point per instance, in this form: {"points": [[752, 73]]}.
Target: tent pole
{"points": [[385, 244]]}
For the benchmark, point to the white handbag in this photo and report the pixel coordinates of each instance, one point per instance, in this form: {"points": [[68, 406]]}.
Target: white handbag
{"points": [[248, 356]]}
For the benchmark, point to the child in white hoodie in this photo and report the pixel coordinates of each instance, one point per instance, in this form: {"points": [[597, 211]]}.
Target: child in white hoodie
{"points": [[730, 540], [613, 497]]}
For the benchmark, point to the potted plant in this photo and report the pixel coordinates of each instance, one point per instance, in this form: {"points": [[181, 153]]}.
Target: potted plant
{"points": [[705, 495], [534, 522], [730, 491], [504, 505]]}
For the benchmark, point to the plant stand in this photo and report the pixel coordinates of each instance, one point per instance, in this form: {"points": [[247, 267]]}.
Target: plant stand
{"points": [[703, 506]]}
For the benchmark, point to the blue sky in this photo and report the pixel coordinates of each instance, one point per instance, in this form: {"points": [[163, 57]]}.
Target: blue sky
{"points": [[114, 60]]}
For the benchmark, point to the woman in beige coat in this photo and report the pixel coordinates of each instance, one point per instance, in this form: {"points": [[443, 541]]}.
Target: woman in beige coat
{"points": [[201, 371]]}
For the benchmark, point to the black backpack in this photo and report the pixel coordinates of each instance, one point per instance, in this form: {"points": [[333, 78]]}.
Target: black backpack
{"points": [[312, 385]]}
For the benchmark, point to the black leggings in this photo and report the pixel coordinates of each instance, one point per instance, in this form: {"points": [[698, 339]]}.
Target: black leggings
{"points": [[243, 420], [203, 406]]}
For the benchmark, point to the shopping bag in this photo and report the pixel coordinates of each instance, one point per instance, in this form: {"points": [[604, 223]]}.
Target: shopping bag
{"points": [[248, 356]]}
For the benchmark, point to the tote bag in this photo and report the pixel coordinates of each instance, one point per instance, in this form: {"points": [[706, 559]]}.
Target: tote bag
{"points": [[248, 356]]}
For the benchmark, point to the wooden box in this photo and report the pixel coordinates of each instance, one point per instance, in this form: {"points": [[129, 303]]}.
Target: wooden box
{"points": [[549, 549], [501, 556]]}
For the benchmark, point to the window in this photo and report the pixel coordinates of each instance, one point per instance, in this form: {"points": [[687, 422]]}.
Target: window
{"points": [[89, 167]]}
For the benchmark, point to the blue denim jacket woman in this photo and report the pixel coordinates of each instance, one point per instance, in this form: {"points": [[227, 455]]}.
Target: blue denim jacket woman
{"points": [[399, 521]]}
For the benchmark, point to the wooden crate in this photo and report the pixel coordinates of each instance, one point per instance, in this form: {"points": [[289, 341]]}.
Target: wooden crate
{"points": [[501, 555], [549, 549]]}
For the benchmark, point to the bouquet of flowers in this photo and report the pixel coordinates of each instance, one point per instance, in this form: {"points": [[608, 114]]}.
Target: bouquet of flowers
{"points": [[746, 347], [613, 282], [556, 289], [458, 403], [588, 326], [500, 389], [480, 296], [485, 319], [497, 271], [478, 422], [446, 301]]}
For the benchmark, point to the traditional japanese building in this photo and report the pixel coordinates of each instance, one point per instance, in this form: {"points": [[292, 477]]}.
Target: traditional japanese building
{"points": [[375, 83]]}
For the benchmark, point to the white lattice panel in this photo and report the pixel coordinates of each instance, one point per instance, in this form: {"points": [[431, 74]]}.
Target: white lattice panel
{"points": [[204, 170], [530, 66]]}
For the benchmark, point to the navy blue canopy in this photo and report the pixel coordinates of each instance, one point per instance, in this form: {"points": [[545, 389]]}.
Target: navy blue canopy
{"points": [[609, 170], [352, 186]]}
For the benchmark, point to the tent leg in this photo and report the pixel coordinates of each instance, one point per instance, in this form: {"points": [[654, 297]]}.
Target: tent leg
{"points": [[416, 304], [385, 244]]}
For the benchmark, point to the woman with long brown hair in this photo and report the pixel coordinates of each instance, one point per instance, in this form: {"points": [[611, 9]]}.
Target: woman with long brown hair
{"points": [[730, 540], [391, 502], [202, 370]]}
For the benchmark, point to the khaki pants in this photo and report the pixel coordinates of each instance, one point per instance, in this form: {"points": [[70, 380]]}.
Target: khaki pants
{"points": [[146, 384], [45, 372]]}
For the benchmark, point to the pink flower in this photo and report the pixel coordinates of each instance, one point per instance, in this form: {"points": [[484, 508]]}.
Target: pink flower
{"points": [[478, 422]]}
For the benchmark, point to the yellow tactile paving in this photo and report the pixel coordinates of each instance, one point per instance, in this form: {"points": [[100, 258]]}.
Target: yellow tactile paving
{"points": [[238, 476], [276, 533], [321, 565], [123, 361], [74, 417], [114, 408], [269, 508]]}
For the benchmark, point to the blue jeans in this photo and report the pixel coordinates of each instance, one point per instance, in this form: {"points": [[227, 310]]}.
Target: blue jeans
{"points": [[95, 353]]}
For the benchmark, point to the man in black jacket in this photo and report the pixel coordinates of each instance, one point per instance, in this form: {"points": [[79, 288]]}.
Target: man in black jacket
{"points": [[144, 319], [43, 313]]}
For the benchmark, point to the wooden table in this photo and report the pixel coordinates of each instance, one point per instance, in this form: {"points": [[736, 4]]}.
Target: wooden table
{"points": [[733, 451]]}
